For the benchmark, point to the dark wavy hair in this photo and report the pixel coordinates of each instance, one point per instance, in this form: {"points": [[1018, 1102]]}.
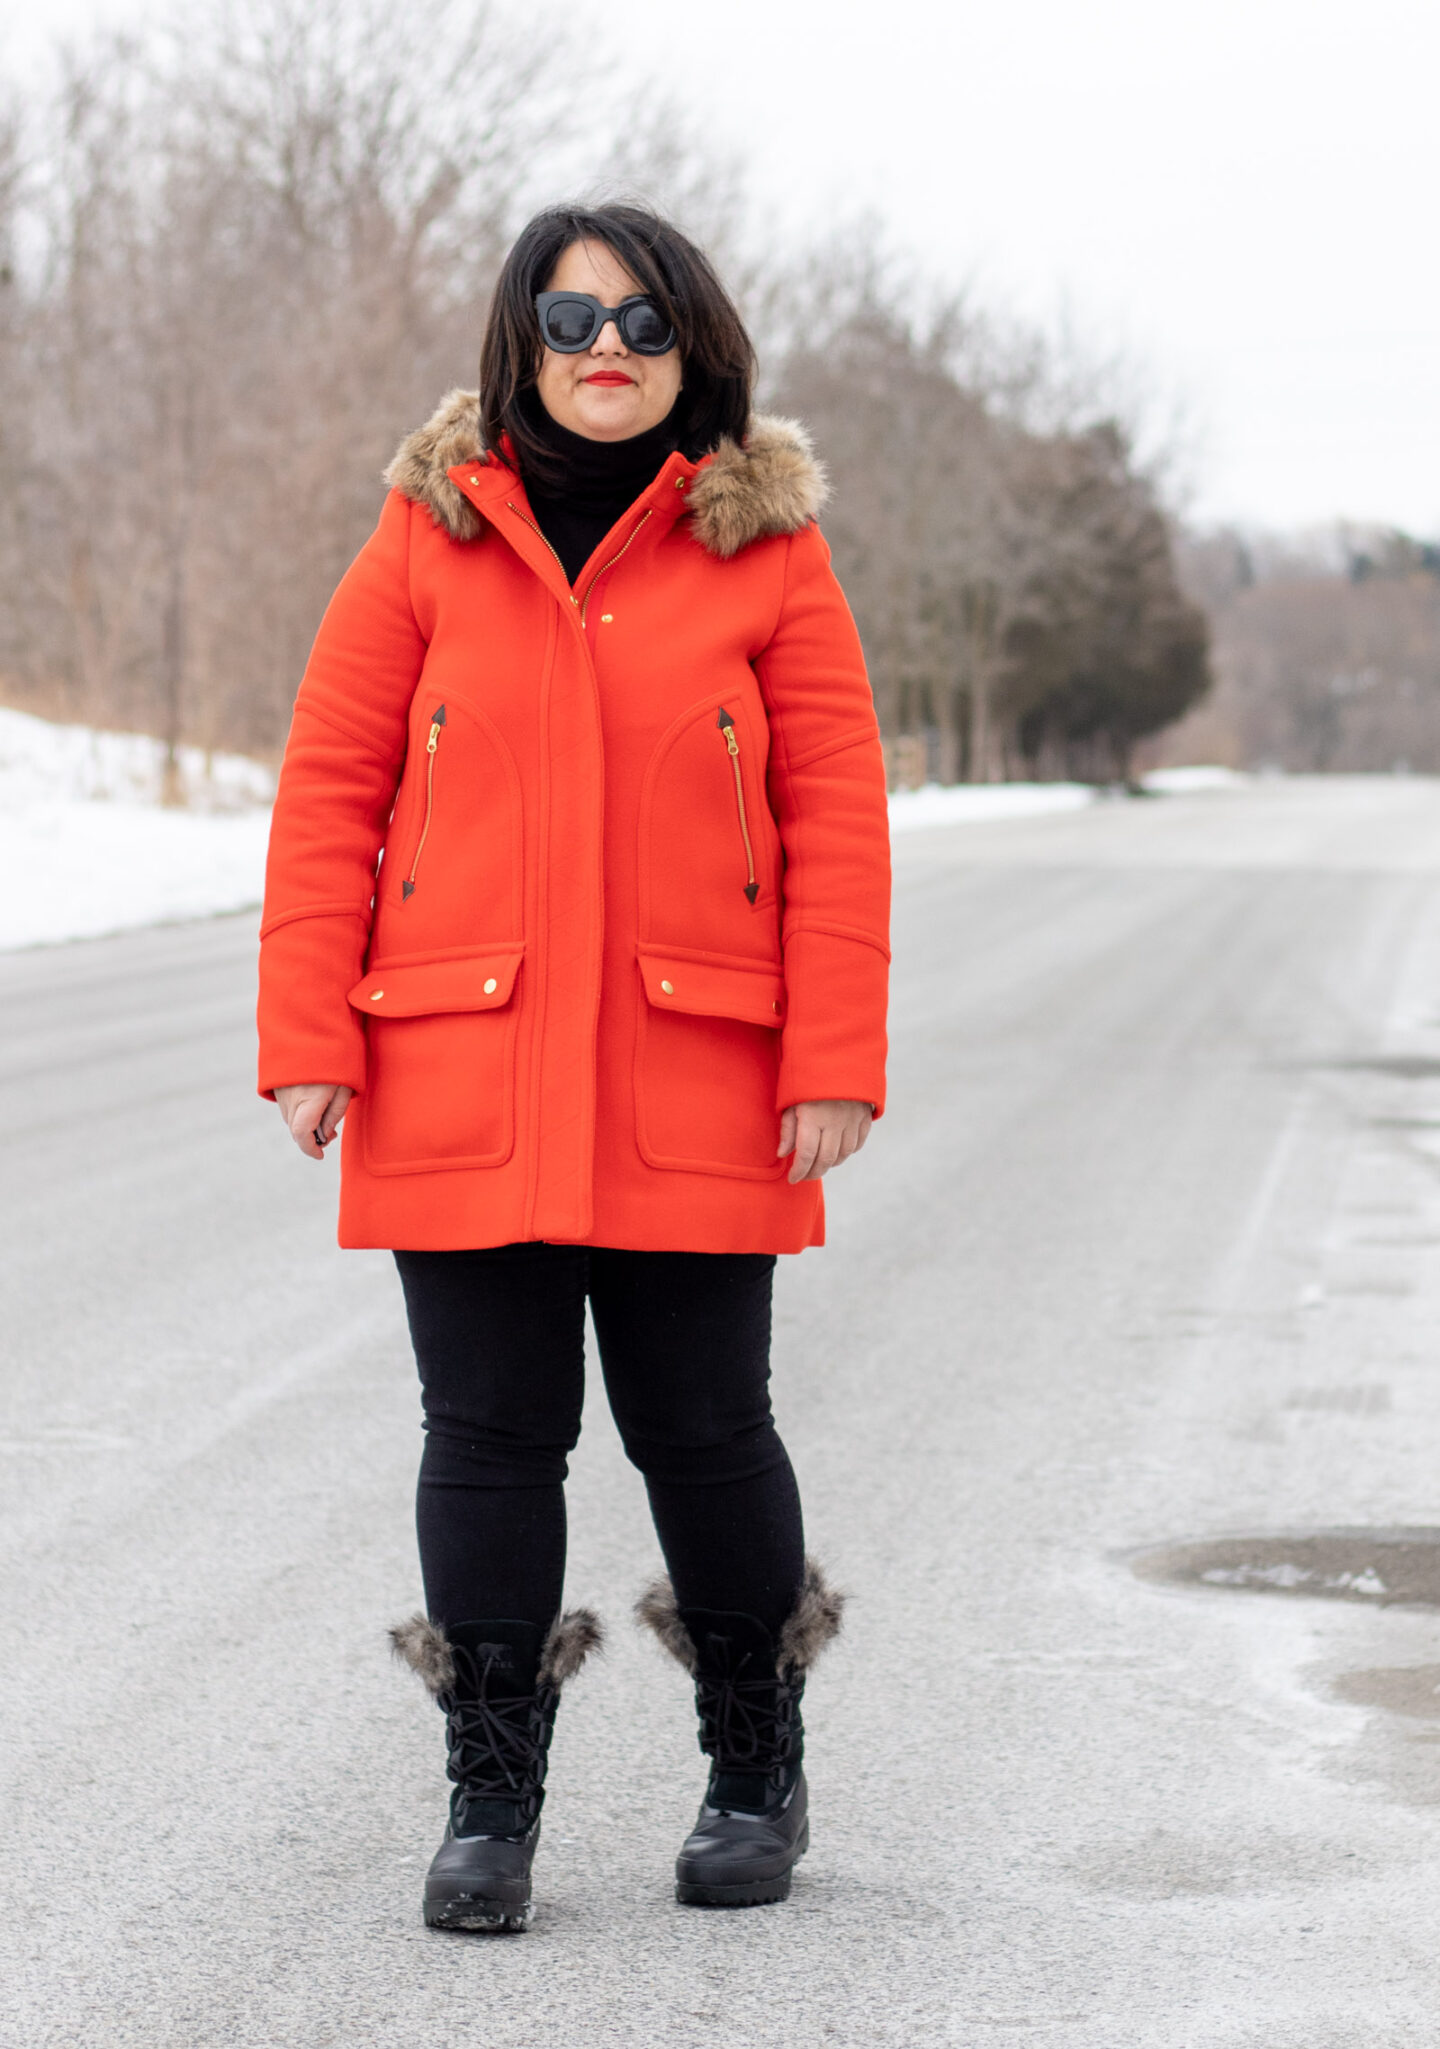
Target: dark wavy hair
{"points": [[717, 353]]}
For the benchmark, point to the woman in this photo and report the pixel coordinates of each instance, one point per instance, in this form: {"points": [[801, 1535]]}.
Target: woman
{"points": [[591, 703]]}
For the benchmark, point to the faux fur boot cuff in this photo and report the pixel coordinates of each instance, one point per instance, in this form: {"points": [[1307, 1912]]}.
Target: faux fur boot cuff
{"points": [[419, 1644], [572, 1637], [811, 1623]]}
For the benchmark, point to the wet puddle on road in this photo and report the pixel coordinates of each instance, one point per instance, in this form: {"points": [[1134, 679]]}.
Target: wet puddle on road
{"points": [[1381, 1567], [1395, 1569], [1411, 1690]]}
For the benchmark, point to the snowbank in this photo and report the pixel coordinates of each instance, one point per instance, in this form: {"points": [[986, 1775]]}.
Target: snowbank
{"points": [[978, 803], [88, 849], [41, 762]]}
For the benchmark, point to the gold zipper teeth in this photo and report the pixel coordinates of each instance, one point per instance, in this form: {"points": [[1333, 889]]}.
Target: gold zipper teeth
{"points": [[432, 746], [585, 602], [535, 530], [604, 566], [732, 743]]}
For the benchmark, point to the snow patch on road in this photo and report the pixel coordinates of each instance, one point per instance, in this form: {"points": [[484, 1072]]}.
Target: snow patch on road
{"points": [[1289, 1577], [90, 849]]}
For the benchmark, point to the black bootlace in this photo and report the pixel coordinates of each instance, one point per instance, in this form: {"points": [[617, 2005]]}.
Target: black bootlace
{"points": [[748, 1716], [497, 1740]]}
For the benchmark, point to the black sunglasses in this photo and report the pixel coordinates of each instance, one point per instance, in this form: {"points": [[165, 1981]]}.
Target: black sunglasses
{"points": [[570, 321]]}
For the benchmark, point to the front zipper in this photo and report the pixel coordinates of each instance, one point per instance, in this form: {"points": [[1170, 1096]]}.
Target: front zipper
{"points": [[585, 602], [407, 887], [510, 502], [589, 588], [727, 727]]}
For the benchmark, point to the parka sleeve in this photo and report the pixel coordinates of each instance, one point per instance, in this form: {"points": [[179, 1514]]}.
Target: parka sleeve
{"points": [[336, 791], [827, 791]]}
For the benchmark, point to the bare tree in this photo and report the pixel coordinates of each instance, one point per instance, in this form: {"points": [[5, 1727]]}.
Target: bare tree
{"points": [[265, 249], [985, 548]]}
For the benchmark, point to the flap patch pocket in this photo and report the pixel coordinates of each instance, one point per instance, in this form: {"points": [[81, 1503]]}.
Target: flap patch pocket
{"points": [[749, 991], [479, 981]]}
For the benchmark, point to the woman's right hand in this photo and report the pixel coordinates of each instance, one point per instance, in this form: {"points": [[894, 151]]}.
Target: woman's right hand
{"points": [[312, 1110]]}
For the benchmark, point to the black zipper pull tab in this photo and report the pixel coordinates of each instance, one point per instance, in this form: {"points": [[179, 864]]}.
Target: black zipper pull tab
{"points": [[407, 890]]}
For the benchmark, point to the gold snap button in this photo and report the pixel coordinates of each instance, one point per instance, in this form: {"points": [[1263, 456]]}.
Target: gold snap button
{"points": [[491, 986], [606, 618], [474, 480], [376, 994], [668, 987], [679, 483]]}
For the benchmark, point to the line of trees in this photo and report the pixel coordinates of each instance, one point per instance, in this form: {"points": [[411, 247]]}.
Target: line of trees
{"points": [[1015, 579], [1326, 651], [239, 258]]}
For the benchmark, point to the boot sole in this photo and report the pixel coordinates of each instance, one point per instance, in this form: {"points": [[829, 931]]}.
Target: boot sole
{"points": [[476, 1915], [760, 1892]]}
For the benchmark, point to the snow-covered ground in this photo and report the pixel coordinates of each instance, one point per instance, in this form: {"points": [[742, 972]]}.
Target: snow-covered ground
{"points": [[978, 803], [90, 849], [1185, 782]]}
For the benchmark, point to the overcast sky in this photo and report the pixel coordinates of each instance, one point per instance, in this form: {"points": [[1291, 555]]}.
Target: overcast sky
{"points": [[1241, 194]]}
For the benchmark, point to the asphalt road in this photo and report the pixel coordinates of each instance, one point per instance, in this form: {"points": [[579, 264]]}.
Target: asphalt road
{"points": [[1147, 1249]]}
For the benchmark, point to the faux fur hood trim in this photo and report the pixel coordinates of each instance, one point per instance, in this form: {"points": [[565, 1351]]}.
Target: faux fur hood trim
{"points": [[422, 1646], [813, 1621], [417, 469], [774, 484]]}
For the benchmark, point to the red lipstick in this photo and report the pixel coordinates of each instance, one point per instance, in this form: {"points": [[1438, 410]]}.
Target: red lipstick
{"points": [[608, 377]]}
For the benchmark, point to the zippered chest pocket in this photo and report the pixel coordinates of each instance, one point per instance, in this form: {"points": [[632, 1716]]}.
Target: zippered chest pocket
{"points": [[453, 855], [726, 725], [709, 849], [432, 748]]}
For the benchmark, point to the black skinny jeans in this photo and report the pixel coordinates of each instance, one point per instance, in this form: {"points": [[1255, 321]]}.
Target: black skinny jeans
{"points": [[684, 1339]]}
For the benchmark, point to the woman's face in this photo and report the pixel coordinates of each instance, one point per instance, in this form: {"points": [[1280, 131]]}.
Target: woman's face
{"points": [[607, 393]]}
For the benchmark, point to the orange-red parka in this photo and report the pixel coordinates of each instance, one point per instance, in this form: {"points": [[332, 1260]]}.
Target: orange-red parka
{"points": [[577, 889]]}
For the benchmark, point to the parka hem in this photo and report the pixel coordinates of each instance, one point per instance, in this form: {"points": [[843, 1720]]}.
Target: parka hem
{"points": [[703, 1222]]}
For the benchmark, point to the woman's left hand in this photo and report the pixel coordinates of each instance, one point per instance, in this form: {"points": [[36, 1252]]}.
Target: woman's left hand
{"points": [[821, 1135]]}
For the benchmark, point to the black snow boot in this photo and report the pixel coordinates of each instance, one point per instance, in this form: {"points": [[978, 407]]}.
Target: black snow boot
{"points": [[499, 1685], [754, 1826]]}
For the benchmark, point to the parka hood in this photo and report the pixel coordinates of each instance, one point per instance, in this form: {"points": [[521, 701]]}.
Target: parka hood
{"points": [[773, 484]]}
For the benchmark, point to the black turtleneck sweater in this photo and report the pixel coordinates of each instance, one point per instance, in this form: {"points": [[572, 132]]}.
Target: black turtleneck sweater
{"points": [[601, 478]]}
